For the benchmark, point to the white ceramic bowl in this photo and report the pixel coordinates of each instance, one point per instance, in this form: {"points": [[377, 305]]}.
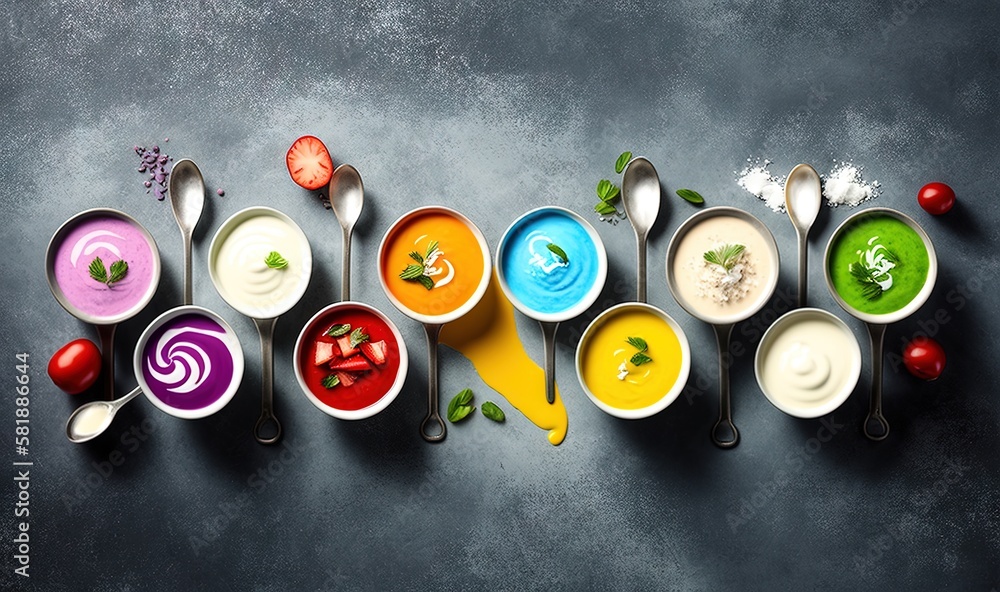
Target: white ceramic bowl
{"points": [[182, 360], [385, 399], [477, 294], [588, 299], [666, 398], [851, 357]]}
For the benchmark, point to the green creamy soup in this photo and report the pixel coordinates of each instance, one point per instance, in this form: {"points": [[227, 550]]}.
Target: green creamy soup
{"points": [[878, 264]]}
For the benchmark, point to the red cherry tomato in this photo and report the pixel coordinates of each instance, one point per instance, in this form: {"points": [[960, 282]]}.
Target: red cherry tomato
{"points": [[936, 198], [75, 366], [924, 358]]}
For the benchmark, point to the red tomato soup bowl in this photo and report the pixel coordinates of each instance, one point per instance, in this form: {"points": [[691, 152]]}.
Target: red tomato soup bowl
{"points": [[350, 360]]}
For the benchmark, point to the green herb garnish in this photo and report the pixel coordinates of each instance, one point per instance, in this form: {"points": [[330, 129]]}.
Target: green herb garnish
{"points": [[418, 272], [460, 406], [622, 161], [117, 272], [338, 330], [604, 208], [639, 358], [725, 256], [691, 196], [558, 251], [330, 381], [412, 272], [274, 260], [638, 343], [358, 336], [607, 191], [491, 411], [431, 248], [870, 289]]}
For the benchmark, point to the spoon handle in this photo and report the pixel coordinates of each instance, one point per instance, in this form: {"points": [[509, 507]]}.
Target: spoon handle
{"points": [[188, 288], [266, 329], [345, 274], [131, 395], [433, 416], [876, 427], [549, 347], [724, 433], [107, 335], [640, 240], [803, 267]]}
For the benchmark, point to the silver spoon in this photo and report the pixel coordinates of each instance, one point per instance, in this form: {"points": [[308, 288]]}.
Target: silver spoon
{"points": [[92, 419], [347, 197], [187, 199], [641, 200], [803, 198]]}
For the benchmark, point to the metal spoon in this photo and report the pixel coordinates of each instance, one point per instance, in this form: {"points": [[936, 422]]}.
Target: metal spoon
{"points": [[187, 199], [347, 197], [803, 197], [92, 419], [641, 199]]}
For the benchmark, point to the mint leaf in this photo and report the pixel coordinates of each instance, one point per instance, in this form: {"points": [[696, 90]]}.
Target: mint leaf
{"points": [[640, 358], [338, 330], [97, 270], [330, 381], [638, 343], [412, 272], [604, 208], [358, 336], [274, 260]]}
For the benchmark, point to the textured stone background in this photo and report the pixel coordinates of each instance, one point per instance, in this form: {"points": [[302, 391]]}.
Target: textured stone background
{"points": [[493, 110]]}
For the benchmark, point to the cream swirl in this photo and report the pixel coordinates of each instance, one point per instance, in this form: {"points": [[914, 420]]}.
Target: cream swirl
{"points": [[188, 362]]}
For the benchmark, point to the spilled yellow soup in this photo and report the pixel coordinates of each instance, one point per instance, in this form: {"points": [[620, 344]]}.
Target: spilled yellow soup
{"points": [[487, 336], [606, 359]]}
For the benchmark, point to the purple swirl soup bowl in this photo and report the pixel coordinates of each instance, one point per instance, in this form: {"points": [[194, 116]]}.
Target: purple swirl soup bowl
{"points": [[189, 362]]}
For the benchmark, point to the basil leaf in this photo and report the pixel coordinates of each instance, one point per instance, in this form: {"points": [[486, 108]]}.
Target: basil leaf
{"points": [[459, 413], [622, 161], [558, 251], [491, 411], [464, 397], [338, 330], [691, 196]]}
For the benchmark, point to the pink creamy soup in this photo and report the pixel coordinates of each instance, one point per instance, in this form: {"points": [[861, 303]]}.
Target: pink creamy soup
{"points": [[111, 239]]}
